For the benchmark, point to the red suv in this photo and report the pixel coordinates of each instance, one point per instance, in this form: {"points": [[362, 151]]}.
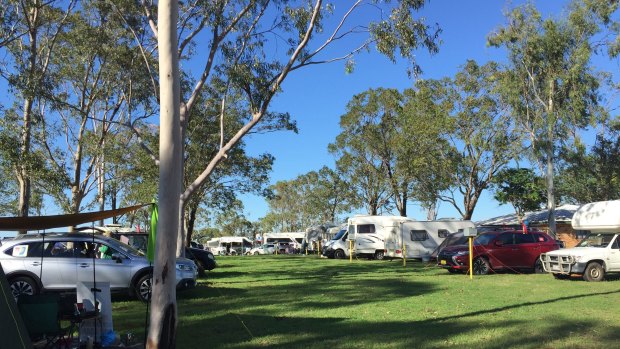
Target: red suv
{"points": [[497, 250]]}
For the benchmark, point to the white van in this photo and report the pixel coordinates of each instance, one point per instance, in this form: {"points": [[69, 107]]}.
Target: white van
{"points": [[380, 236], [294, 239]]}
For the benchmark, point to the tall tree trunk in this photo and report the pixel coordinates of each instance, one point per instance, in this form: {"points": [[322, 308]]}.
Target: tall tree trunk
{"points": [[163, 324], [101, 181], [431, 211], [550, 190]]}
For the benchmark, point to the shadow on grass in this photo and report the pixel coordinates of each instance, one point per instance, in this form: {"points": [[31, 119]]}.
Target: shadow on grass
{"points": [[236, 330]]}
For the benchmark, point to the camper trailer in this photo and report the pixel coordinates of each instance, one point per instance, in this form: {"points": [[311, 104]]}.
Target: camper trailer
{"points": [[598, 253], [294, 239], [380, 236], [229, 245], [419, 239]]}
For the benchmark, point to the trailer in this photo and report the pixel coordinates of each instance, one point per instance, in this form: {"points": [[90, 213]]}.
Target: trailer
{"points": [[388, 236], [229, 245], [280, 240], [419, 239]]}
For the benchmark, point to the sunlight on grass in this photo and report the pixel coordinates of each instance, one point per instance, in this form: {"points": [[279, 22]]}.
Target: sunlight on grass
{"points": [[306, 301]]}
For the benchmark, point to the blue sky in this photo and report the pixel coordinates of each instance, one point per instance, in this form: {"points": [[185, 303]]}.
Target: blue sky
{"points": [[317, 97]]}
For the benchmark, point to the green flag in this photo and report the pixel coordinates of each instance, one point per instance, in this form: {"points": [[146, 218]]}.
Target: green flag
{"points": [[150, 247]]}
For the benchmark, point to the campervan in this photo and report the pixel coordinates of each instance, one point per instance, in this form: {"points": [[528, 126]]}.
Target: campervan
{"points": [[380, 236], [229, 245], [293, 239]]}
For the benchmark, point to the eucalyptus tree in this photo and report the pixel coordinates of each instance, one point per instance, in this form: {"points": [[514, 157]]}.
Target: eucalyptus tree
{"points": [[30, 32], [549, 82], [588, 176], [483, 135], [98, 76], [241, 41], [521, 188]]}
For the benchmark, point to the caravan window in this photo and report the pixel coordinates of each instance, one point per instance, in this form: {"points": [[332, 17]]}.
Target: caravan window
{"points": [[443, 233], [366, 229], [419, 235]]}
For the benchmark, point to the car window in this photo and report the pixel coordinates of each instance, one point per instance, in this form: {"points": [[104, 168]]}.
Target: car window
{"points": [[524, 238], [31, 249], [58, 249], [506, 238]]}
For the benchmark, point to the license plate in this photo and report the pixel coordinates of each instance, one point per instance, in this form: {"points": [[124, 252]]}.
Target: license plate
{"points": [[555, 267], [443, 262]]}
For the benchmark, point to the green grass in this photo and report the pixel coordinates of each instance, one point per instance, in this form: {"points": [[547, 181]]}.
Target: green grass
{"points": [[304, 301]]}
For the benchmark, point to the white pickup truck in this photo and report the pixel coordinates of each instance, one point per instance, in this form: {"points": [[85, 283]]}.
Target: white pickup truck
{"points": [[598, 253]]}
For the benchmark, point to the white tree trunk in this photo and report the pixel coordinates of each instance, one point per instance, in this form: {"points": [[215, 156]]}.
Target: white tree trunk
{"points": [[162, 327]]}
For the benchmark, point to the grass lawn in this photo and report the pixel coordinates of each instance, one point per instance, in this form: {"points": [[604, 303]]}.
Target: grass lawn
{"points": [[303, 301]]}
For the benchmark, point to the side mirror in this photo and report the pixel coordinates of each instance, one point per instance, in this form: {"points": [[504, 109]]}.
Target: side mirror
{"points": [[117, 257]]}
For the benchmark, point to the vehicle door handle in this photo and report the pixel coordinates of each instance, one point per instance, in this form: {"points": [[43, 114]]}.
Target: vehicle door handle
{"points": [[515, 249], [36, 264], [84, 265]]}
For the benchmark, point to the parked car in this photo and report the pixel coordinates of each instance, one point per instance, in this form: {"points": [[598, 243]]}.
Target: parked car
{"points": [[499, 250], [56, 262], [262, 249], [204, 260]]}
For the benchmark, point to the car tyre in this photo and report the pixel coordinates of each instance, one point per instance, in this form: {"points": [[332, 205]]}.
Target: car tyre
{"points": [[339, 254], [538, 267], [594, 272], [481, 266], [201, 268], [379, 255], [144, 287], [256, 253], [23, 285]]}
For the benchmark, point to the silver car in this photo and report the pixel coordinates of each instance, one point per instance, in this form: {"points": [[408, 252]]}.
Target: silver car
{"points": [[33, 263]]}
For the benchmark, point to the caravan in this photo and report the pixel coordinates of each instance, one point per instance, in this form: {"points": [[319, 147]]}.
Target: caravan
{"points": [[285, 240], [380, 236], [419, 239], [229, 245]]}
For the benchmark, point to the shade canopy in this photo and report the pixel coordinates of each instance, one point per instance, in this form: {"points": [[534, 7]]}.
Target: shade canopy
{"points": [[63, 220]]}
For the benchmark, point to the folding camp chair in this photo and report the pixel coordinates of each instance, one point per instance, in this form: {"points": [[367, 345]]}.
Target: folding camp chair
{"points": [[41, 317]]}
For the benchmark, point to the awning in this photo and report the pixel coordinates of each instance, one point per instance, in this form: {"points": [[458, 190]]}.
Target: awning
{"points": [[64, 220]]}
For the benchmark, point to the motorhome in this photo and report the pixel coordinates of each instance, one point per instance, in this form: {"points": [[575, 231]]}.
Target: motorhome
{"points": [[598, 253], [229, 245], [380, 236], [294, 239], [315, 237]]}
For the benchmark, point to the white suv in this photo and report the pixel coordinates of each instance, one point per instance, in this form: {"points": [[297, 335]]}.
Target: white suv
{"points": [[33, 263]]}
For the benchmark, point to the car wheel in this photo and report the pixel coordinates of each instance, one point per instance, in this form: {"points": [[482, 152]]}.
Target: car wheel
{"points": [[23, 285], [560, 276], [201, 268], [144, 287], [339, 254], [538, 267], [256, 253], [481, 266], [379, 255], [594, 272]]}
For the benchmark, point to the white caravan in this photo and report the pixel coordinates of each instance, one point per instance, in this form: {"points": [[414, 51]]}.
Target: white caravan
{"points": [[419, 239], [229, 245], [598, 253], [293, 238], [380, 236]]}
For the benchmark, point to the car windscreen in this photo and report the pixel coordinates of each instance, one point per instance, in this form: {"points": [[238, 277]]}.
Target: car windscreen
{"points": [[596, 240], [340, 234], [124, 248]]}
